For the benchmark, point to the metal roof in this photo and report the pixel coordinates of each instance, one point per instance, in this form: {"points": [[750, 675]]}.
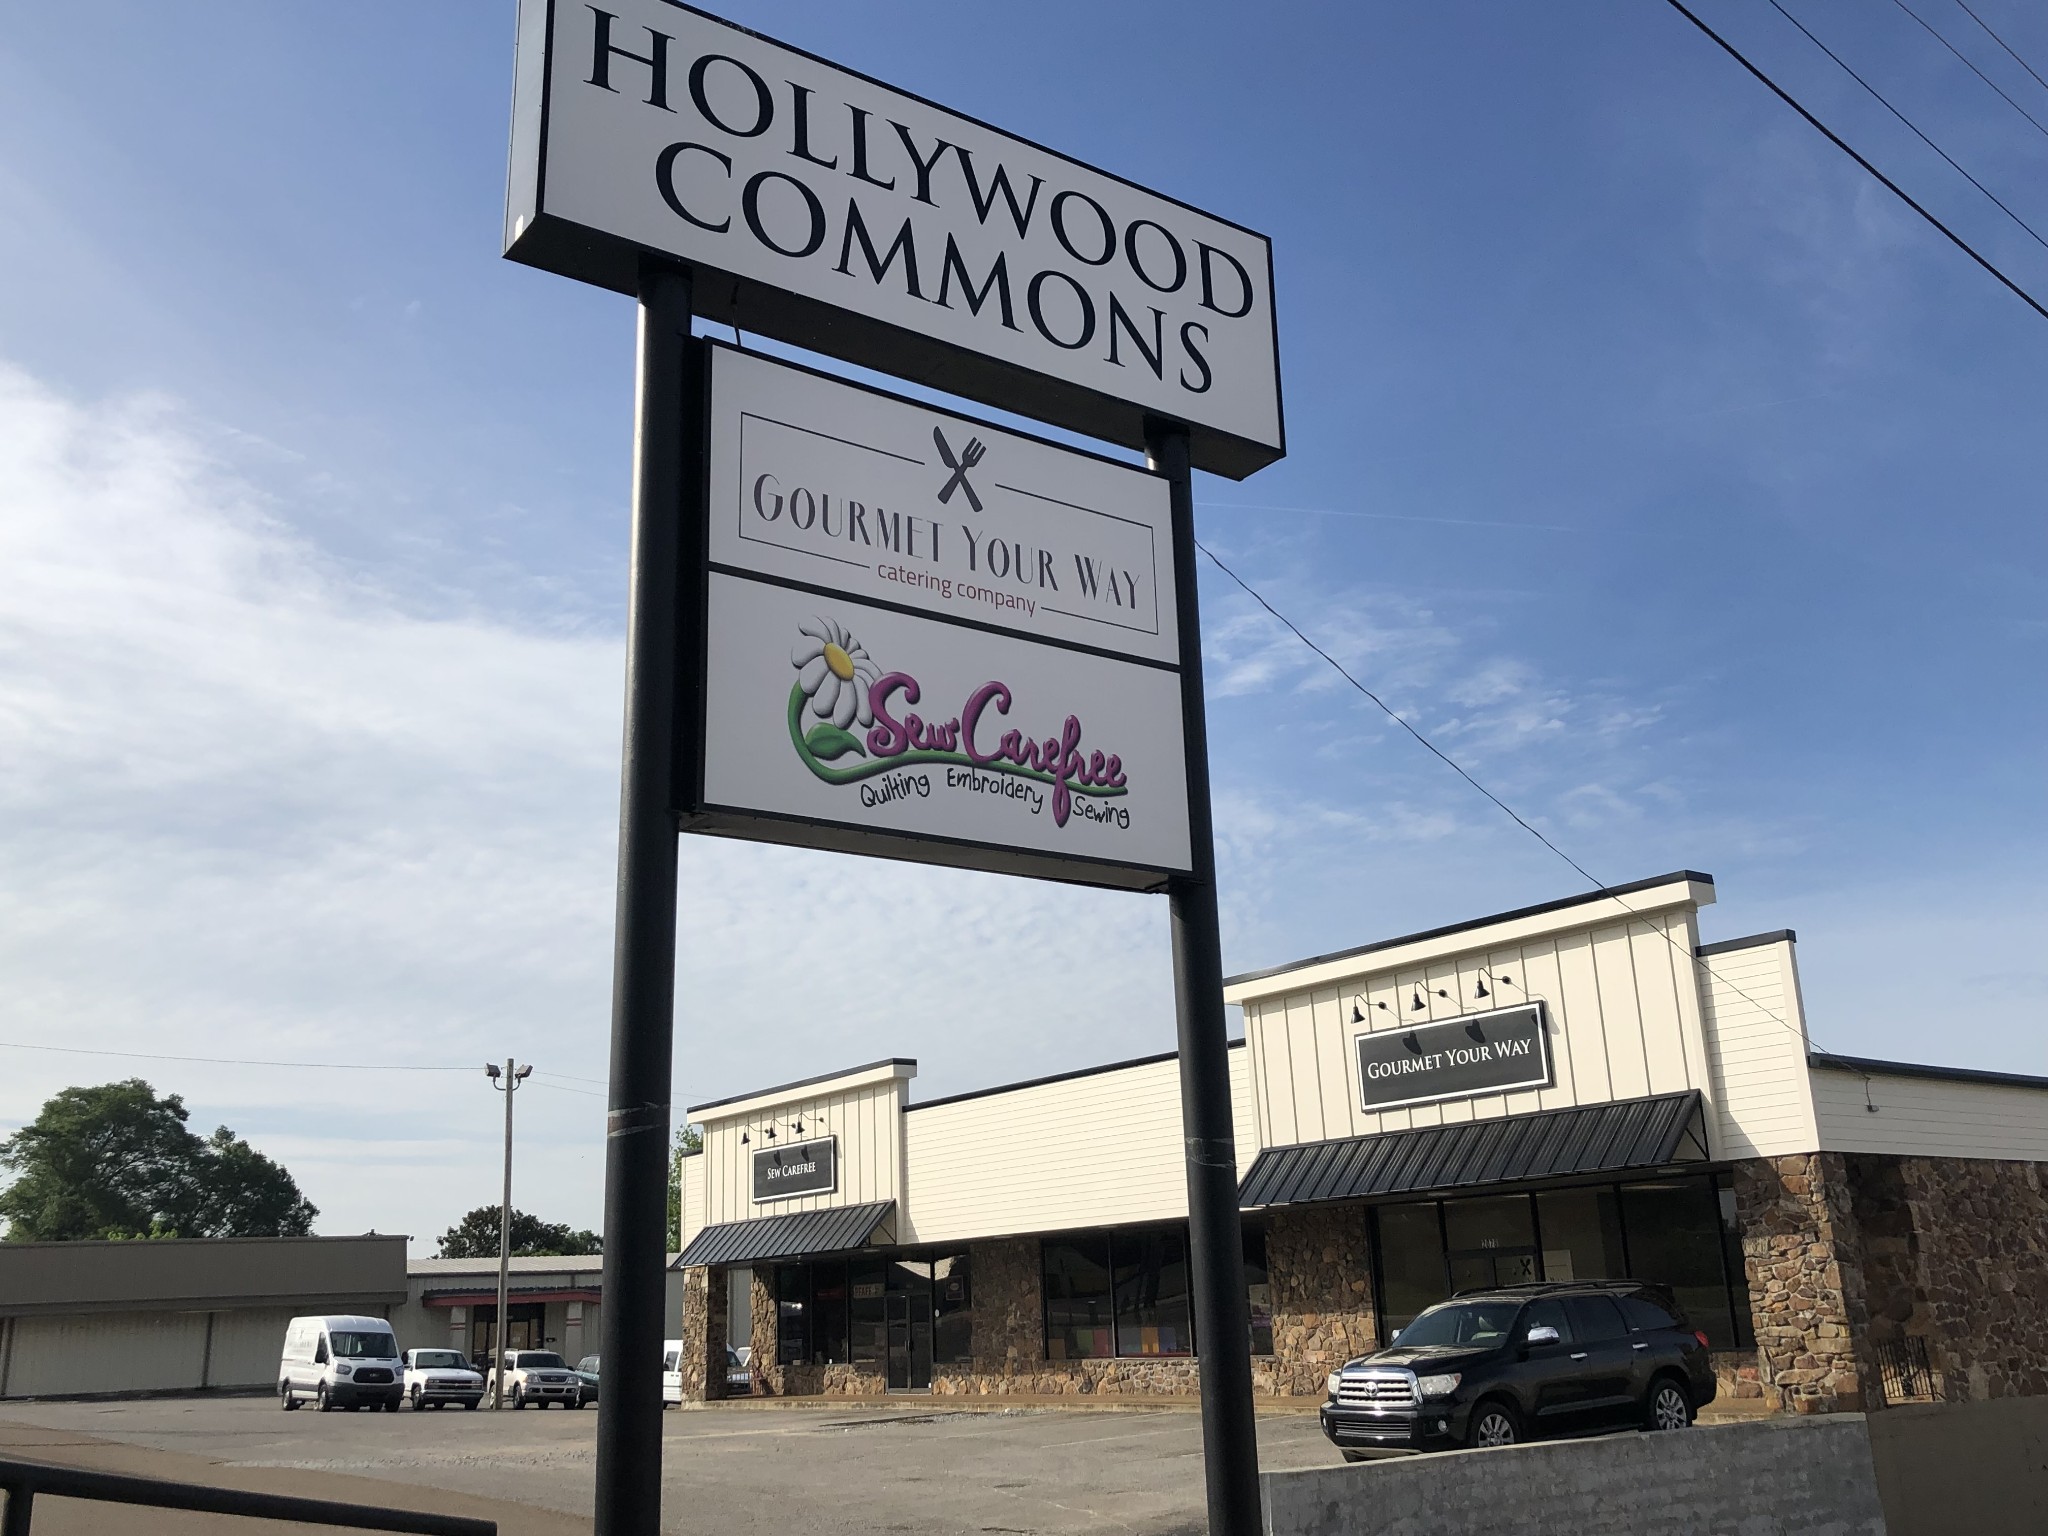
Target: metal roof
{"points": [[795, 1235], [1591, 1138]]}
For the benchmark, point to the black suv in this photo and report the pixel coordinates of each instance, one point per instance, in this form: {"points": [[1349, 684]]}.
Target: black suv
{"points": [[1520, 1361]]}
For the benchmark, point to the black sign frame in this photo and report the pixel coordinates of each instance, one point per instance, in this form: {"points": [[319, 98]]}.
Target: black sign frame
{"points": [[1530, 1067], [823, 1149]]}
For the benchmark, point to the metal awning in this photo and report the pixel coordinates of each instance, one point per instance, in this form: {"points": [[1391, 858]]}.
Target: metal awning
{"points": [[800, 1234], [1589, 1138]]}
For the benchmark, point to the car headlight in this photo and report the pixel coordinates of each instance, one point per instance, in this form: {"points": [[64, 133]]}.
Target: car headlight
{"points": [[344, 1370], [1439, 1386], [1335, 1378]]}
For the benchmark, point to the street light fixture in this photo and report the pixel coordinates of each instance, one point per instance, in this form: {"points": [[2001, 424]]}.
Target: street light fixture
{"points": [[506, 1080]]}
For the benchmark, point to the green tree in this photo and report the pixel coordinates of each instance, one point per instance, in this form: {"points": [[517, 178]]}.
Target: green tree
{"points": [[476, 1237], [689, 1142], [117, 1161]]}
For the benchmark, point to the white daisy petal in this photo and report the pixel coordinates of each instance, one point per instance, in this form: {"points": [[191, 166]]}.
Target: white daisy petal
{"points": [[817, 629], [806, 651], [847, 707], [862, 710], [825, 696], [814, 672]]}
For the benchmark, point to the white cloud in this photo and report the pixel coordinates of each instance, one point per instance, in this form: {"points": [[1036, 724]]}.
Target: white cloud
{"points": [[254, 805]]}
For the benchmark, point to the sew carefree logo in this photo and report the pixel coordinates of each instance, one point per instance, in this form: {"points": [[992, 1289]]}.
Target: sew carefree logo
{"points": [[839, 686]]}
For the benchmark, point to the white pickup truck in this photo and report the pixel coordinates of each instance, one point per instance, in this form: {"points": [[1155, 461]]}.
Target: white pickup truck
{"points": [[434, 1378], [538, 1377]]}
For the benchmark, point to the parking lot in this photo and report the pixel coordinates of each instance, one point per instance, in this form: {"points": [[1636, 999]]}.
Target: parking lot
{"points": [[923, 1465]]}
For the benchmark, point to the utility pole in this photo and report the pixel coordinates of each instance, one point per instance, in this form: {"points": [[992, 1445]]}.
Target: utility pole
{"points": [[507, 1082]]}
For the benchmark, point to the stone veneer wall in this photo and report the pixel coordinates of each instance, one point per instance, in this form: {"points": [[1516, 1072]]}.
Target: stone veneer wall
{"points": [[1956, 1253], [1319, 1262], [704, 1329], [1803, 1253]]}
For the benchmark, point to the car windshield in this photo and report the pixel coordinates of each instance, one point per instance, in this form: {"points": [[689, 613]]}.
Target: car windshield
{"points": [[438, 1359], [540, 1358], [1462, 1322], [360, 1346], [588, 1363]]}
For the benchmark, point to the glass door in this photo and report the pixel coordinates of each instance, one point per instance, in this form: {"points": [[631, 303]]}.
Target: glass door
{"points": [[909, 1315]]}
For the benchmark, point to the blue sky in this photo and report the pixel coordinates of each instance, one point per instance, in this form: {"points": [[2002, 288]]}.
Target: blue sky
{"points": [[1643, 452]]}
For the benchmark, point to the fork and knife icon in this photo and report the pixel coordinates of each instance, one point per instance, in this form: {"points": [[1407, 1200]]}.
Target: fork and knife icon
{"points": [[967, 458]]}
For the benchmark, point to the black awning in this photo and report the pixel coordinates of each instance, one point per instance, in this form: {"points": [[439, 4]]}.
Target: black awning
{"points": [[800, 1234], [1589, 1138]]}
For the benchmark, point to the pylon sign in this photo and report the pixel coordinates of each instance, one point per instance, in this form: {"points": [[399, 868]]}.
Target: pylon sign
{"points": [[860, 221], [931, 637]]}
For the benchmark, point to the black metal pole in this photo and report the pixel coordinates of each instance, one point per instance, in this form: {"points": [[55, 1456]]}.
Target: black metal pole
{"points": [[644, 949], [1230, 1442]]}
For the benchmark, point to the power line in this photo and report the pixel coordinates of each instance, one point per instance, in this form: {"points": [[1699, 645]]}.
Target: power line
{"points": [[1895, 112], [1599, 886], [230, 1061], [2023, 64], [1972, 64], [1836, 139]]}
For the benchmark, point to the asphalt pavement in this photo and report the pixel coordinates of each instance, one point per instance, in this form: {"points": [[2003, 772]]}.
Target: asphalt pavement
{"points": [[922, 1465]]}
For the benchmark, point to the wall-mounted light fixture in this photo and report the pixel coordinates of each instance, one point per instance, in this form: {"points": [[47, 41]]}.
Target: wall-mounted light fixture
{"points": [[1358, 1013]]}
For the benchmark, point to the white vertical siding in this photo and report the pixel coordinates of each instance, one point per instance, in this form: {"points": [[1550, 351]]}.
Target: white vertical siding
{"points": [[1930, 1117], [866, 1116], [1624, 1018], [1756, 1052]]}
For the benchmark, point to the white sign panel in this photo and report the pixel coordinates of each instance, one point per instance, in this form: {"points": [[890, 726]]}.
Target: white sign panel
{"points": [[832, 211], [817, 481], [903, 730]]}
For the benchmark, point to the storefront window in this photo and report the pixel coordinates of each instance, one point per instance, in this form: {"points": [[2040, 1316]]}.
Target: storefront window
{"points": [[1731, 1260], [1490, 1240], [792, 1314], [1078, 1313], [829, 1342], [1411, 1266], [953, 1308], [867, 1317], [1151, 1294], [1674, 1239], [1258, 1290], [1581, 1235]]}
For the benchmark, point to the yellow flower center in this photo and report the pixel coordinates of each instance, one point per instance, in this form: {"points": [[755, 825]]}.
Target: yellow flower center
{"points": [[840, 663]]}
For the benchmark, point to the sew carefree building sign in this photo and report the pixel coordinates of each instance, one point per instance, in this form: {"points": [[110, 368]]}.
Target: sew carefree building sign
{"points": [[931, 637], [864, 222]]}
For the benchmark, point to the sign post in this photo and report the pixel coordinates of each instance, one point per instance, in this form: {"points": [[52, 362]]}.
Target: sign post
{"points": [[665, 450], [1230, 1439]]}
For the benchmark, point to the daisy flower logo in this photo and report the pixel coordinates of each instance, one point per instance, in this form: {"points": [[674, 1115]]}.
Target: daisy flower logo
{"points": [[834, 672]]}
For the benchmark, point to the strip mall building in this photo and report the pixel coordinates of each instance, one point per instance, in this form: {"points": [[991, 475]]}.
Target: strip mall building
{"points": [[1579, 1089]]}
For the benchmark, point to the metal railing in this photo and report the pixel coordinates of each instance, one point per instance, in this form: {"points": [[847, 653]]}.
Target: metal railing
{"points": [[1903, 1372], [23, 1480]]}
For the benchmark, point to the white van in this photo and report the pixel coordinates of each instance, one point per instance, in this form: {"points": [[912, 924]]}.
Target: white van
{"points": [[340, 1362], [671, 1371]]}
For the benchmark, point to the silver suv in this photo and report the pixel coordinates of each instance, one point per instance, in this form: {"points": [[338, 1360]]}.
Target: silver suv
{"points": [[536, 1377]]}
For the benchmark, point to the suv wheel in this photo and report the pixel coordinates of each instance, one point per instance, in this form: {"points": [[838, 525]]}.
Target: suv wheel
{"points": [[1670, 1405], [1493, 1424]]}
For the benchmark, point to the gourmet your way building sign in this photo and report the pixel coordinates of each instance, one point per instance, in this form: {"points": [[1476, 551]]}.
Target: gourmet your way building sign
{"points": [[931, 637], [855, 219], [1496, 1052]]}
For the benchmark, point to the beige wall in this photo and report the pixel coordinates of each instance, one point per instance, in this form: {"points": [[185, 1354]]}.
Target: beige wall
{"points": [[1931, 1117], [1623, 1003], [1756, 1052], [318, 1274], [1098, 1149], [81, 1354]]}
